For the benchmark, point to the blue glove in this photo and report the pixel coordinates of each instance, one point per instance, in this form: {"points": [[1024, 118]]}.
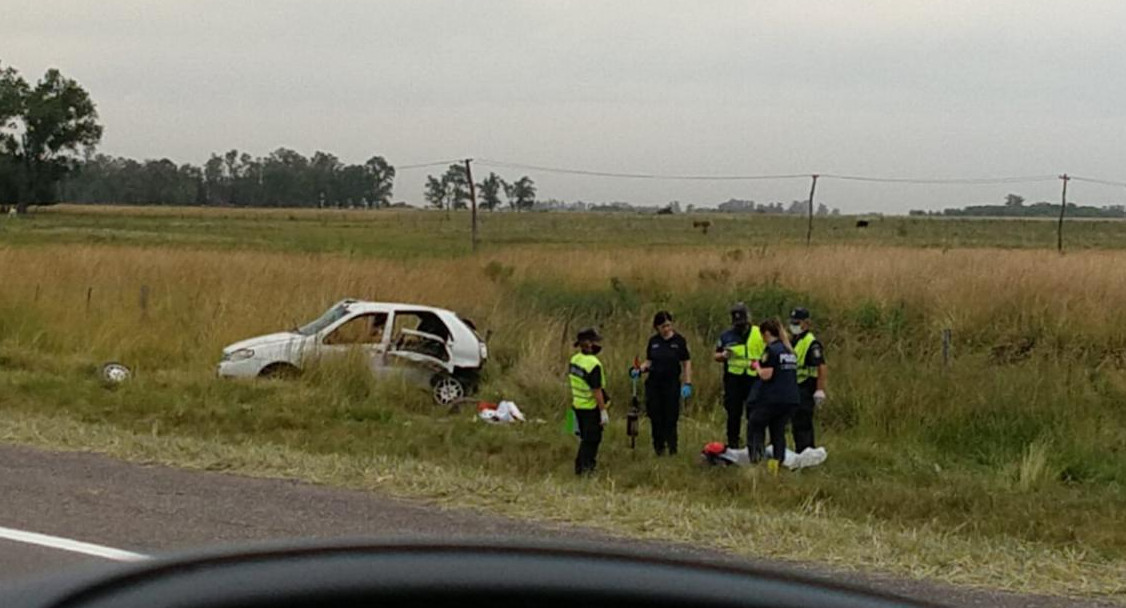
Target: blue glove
{"points": [[686, 391], [634, 373]]}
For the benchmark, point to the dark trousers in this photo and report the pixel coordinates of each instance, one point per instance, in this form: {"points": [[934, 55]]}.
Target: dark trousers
{"points": [[803, 419], [590, 437], [762, 416], [662, 404], [735, 392]]}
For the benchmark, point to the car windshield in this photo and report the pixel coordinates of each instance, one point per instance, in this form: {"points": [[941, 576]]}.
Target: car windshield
{"points": [[330, 316]]}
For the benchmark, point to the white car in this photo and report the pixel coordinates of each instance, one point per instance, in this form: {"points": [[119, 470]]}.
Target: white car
{"points": [[433, 345]]}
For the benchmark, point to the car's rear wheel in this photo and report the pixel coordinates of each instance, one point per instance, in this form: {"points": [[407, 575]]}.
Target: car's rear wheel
{"points": [[446, 390]]}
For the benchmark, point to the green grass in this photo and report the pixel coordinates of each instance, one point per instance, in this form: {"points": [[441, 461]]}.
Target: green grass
{"points": [[431, 233], [1009, 460]]}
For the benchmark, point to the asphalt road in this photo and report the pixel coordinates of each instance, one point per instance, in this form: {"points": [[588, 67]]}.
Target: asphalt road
{"points": [[152, 509]]}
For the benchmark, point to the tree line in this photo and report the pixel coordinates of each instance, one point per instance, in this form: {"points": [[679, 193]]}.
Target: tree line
{"points": [[451, 191], [283, 178], [1014, 206]]}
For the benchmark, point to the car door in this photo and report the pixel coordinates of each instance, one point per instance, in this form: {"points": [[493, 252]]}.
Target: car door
{"points": [[366, 331], [421, 338]]}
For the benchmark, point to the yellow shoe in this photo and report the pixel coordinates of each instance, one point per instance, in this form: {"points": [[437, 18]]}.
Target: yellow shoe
{"points": [[772, 466]]}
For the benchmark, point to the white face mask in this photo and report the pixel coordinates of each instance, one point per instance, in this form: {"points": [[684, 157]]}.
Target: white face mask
{"points": [[795, 329]]}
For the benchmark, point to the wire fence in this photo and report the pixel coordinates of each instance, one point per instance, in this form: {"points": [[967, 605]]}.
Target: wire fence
{"points": [[814, 178]]}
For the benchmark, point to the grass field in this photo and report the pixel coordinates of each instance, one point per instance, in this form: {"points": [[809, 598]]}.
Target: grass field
{"points": [[1005, 467]]}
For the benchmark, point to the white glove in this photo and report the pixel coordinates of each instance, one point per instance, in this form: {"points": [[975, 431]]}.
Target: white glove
{"points": [[605, 417], [818, 397]]}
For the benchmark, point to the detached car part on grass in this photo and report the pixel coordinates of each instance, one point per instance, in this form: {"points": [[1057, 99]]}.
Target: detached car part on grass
{"points": [[432, 347]]}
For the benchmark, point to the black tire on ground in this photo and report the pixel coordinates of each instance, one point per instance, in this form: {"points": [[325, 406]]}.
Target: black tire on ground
{"points": [[280, 371], [446, 389]]}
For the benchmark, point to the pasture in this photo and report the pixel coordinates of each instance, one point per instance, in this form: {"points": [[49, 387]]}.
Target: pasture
{"points": [[1007, 459]]}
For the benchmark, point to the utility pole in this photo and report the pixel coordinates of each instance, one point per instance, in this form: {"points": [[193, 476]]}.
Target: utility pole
{"points": [[472, 200], [1063, 208], [809, 230]]}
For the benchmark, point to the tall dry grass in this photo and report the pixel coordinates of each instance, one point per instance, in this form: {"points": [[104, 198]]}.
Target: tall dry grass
{"points": [[1020, 437]]}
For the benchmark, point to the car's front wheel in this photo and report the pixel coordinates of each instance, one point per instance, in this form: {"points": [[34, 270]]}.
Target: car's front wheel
{"points": [[279, 371]]}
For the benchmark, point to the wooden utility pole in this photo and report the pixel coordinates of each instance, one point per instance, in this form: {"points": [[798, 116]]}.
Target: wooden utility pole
{"points": [[1063, 209], [812, 191], [472, 200]]}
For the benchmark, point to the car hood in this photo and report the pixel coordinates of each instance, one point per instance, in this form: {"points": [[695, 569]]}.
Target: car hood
{"points": [[261, 341]]}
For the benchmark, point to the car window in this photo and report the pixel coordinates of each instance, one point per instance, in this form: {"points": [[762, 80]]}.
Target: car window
{"points": [[424, 321], [330, 316], [363, 329]]}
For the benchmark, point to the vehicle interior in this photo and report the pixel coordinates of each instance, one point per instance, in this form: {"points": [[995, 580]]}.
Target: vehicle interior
{"points": [[435, 575], [367, 328]]}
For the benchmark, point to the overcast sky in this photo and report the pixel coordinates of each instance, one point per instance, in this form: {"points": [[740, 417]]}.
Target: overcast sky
{"points": [[894, 88]]}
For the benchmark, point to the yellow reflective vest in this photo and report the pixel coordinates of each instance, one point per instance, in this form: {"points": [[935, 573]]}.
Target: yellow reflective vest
{"points": [[801, 349], [582, 396], [742, 354]]}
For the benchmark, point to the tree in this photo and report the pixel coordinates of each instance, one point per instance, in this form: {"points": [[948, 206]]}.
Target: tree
{"points": [[524, 193], [435, 191], [286, 180], [490, 189], [381, 180], [457, 186], [43, 132], [509, 194], [1014, 200], [325, 169]]}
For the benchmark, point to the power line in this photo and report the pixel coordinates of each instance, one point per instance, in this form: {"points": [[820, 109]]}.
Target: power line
{"points": [[978, 181], [437, 163], [508, 165], [971, 181], [1104, 182], [951, 181]]}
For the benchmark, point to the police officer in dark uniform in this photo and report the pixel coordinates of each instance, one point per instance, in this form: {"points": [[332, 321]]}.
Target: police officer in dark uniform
{"points": [[811, 377], [665, 356], [776, 397], [736, 349]]}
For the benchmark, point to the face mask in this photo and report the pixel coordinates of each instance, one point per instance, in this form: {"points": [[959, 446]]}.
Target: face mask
{"points": [[595, 349], [795, 329]]}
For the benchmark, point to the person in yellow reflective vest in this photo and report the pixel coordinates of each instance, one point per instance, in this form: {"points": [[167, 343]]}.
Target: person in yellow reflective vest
{"points": [[812, 379], [736, 349], [588, 398]]}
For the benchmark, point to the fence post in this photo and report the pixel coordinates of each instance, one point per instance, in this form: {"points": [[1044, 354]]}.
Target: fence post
{"points": [[144, 301], [89, 293], [946, 347]]}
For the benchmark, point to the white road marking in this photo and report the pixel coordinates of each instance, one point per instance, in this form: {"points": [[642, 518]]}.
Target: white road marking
{"points": [[66, 544]]}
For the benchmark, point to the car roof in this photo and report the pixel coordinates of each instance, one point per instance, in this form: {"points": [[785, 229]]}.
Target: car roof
{"points": [[380, 306]]}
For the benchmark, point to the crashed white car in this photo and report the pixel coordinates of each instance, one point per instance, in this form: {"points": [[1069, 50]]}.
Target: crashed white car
{"points": [[432, 345]]}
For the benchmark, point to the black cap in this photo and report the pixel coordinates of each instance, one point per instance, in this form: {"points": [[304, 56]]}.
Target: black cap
{"points": [[799, 314], [588, 333], [739, 312]]}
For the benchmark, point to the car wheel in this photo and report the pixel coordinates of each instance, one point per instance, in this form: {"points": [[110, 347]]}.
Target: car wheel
{"points": [[115, 373], [446, 390], [279, 371]]}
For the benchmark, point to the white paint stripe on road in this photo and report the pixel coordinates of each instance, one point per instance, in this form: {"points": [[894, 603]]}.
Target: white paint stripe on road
{"points": [[65, 544]]}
